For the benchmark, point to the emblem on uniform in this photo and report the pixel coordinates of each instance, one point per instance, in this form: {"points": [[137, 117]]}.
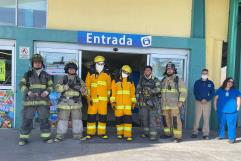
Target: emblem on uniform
{"points": [[227, 94]]}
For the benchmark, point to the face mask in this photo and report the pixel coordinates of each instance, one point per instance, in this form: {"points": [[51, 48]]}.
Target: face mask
{"points": [[99, 68], [124, 75], [204, 77]]}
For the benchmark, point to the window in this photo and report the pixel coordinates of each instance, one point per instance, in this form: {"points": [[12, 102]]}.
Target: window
{"points": [[8, 12], [32, 13]]}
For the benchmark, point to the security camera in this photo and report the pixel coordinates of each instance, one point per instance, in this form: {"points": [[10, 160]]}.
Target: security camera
{"points": [[115, 49]]}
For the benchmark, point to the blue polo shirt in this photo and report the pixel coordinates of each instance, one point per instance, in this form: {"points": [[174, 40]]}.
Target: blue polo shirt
{"points": [[227, 102]]}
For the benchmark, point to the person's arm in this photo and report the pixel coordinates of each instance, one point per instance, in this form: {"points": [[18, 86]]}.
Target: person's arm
{"points": [[182, 93], [87, 83], [133, 95], [215, 102], [83, 89], [109, 85], [138, 91], [23, 84], [196, 92], [238, 103], [113, 93]]}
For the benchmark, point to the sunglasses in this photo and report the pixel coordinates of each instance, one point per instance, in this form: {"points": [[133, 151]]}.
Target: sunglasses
{"points": [[125, 72], [101, 64]]}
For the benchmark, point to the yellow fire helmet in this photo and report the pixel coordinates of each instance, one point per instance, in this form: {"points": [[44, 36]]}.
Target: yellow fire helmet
{"points": [[99, 59], [127, 68]]}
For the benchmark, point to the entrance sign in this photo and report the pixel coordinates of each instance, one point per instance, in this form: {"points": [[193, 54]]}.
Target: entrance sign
{"points": [[114, 39]]}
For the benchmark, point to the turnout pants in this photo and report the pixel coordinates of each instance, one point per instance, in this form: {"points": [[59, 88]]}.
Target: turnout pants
{"points": [[149, 118], [100, 109], [172, 123], [124, 121], [77, 125], [27, 125], [205, 110]]}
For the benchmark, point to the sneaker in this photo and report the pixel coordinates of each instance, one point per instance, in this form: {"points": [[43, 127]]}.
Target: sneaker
{"points": [[129, 139], [231, 141], [119, 136], [88, 137], [219, 138], [152, 138], [22, 142], [104, 137], [49, 141], [77, 137], [58, 139], [177, 140], [205, 137], [165, 137], [194, 136], [144, 135]]}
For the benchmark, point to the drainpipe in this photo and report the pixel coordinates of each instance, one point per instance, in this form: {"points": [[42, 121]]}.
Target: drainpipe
{"points": [[232, 37]]}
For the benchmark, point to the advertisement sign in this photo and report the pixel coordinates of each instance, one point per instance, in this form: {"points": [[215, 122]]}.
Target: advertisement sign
{"points": [[2, 70], [6, 108]]}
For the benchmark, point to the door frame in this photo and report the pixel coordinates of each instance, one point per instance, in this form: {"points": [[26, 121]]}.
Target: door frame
{"points": [[64, 50]]}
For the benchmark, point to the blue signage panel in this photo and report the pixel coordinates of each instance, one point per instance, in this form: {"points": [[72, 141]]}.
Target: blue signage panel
{"points": [[113, 39]]}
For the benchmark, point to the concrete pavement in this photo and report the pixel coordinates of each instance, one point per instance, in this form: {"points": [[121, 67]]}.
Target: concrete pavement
{"points": [[118, 150]]}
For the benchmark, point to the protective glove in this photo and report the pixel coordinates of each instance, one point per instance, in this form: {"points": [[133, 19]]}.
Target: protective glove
{"points": [[90, 102], [66, 87], [113, 105], [179, 104], [44, 94], [31, 94]]}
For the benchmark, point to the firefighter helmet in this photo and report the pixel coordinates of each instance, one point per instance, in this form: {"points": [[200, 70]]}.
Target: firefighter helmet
{"points": [[126, 68], [37, 58], [172, 66], [99, 59], [70, 65]]}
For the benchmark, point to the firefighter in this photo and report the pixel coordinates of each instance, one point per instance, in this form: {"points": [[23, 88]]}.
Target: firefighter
{"points": [[71, 89], [173, 96], [36, 85], [147, 94], [123, 100], [98, 83]]}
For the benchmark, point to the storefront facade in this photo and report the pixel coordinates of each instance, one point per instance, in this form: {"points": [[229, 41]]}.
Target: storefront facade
{"points": [[164, 33]]}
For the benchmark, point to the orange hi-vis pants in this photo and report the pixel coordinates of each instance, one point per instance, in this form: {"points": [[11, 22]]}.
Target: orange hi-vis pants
{"points": [[99, 108]]}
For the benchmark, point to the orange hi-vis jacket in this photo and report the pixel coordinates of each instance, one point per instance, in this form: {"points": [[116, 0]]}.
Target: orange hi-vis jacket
{"points": [[98, 86], [123, 94]]}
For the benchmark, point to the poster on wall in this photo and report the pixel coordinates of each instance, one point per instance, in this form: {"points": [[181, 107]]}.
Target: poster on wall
{"points": [[2, 70], [6, 108], [55, 62], [159, 66]]}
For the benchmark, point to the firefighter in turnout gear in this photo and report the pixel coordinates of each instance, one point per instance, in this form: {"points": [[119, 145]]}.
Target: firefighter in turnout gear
{"points": [[148, 97], [36, 85], [98, 83], [123, 100], [70, 103], [173, 96]]}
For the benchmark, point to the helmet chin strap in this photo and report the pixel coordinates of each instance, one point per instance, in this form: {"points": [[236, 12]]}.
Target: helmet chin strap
{"points": [[170, 74]]}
